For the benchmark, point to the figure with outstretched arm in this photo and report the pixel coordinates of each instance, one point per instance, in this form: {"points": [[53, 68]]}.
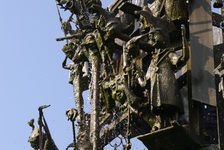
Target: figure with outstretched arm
{"points": [[40, 138]]}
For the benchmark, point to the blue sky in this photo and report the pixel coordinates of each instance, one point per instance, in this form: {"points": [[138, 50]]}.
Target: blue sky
{"points": [[31, 73]]}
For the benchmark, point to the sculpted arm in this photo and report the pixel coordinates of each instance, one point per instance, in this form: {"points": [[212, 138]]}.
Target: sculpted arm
{"points": [[64, 64]]}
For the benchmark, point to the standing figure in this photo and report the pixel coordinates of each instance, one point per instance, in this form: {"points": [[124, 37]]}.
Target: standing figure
{"points": [[38, 139], [166, 101], [34, 137], [174, 11]]}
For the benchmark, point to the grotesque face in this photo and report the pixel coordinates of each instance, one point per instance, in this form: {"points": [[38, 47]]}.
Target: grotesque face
{"points": [[74, 6], [84, 21], [153, 38], [173, 58], [69, 50], [142, 23], [144, 26], [72, 114], [157, 39], [90, 4]]}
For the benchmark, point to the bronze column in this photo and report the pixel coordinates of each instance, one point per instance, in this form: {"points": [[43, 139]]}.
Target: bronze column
{"points": [[94, 123]]}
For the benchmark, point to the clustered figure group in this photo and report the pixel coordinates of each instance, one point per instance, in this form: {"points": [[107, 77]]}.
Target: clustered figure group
{"points": [[127, 56]]}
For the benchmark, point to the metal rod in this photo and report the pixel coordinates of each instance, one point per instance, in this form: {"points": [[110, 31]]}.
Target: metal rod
{"points": [[61, 21], [74, 138], [40, 109], [40, 128], [128, 144], [69, 37], [47, 131]]}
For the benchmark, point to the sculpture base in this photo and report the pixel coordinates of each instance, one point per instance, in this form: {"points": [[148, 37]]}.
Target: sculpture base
{"points": [[173, 138]]}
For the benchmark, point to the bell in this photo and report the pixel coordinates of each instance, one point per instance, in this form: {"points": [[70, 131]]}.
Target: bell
{"points": [[217, 3]]}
